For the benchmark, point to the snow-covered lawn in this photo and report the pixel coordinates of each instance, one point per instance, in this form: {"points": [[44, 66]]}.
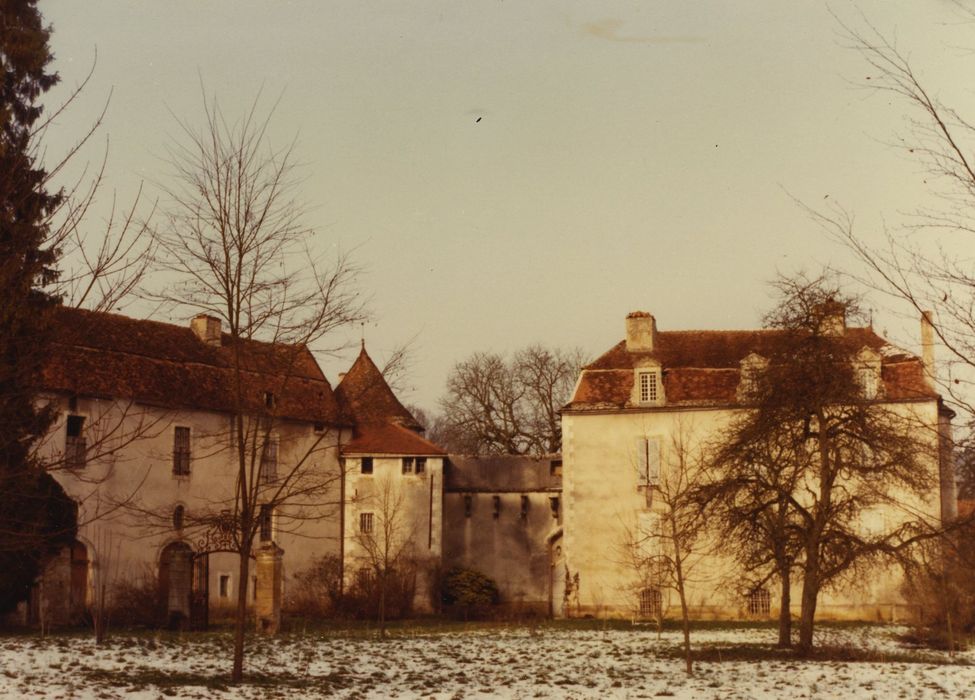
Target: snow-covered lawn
{"points": [[509, 662]]}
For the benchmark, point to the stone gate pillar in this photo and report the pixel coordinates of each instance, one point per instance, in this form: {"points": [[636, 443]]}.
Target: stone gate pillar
{"points": [[269, 575]]}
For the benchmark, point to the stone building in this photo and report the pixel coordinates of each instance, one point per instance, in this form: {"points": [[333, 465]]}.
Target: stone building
{"points": [[634, 406], [392, 486], [503, 517], [144, 443]]}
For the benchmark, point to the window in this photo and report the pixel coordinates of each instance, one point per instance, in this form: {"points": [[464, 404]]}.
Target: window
{"points": [[759, 602], [524, 507], [554, 504], [268, 400], [365, 523], [648, 387], [224, 585], [181, 451], [468, 505], [266, 519], [497, 506], [867, 379], [75, 447], [407, 465], [648, 460], [651, 602], [421, 465], [367, 465], [269, 461], [179, 515], [555, 467]]}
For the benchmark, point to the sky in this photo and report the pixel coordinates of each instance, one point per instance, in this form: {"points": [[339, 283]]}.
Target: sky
{"points": [[517, 172]]}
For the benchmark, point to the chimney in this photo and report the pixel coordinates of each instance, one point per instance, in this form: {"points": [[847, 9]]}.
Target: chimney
{"points": [[831, 317], [207, 329], [927, 345], [641, 331]]}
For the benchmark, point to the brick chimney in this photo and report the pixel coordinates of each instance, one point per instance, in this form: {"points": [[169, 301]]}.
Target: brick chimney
{"points": [[207, 329], [927, 346], [641, 331], [831, 317]]}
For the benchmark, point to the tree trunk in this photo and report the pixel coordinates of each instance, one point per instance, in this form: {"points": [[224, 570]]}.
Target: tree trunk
{"points": [[240, 618], [679, 572], [382, 607], [785, 605], [807, 616]]}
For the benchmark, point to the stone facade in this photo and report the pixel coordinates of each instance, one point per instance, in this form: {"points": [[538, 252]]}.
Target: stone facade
{"points": [[656, 394]]}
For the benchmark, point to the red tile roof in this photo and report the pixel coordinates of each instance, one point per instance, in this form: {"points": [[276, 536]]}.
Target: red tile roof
{"points": [[364, 393], [702, 367], [390, 439], [382, 424], [113, 356]]}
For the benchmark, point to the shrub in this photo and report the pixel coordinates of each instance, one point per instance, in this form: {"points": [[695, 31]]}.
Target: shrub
{"points": [[316, 592], [468, 591], [134, 602]]}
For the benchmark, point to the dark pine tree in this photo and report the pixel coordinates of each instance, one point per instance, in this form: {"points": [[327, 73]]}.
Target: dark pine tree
{"points": [[36, 517]]}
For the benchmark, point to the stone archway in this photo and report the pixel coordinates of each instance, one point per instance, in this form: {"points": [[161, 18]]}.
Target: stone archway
{"points": [[176, 583]]}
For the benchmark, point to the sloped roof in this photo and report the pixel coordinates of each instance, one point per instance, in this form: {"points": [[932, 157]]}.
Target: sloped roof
{"points": [[365, 395], [382, 424], [703, 367], [113, 356], [390, 439], [501, 473]]}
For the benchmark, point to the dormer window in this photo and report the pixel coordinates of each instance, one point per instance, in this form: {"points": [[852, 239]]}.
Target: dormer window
{"points": [[866, 371], [649, 386], [869, 382]]}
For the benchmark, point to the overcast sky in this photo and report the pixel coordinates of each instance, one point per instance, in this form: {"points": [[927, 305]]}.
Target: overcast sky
{"points": [[523, 171]]}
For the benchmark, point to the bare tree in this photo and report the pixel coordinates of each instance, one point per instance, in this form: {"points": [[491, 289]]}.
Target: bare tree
{"points": [[926, 262], [669, 539], [850, 454], [235, 240], [745, 497], [384, 538], [498, 406]]}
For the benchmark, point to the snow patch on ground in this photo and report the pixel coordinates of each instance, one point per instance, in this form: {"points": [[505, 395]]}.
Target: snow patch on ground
{"points": [[517, 662]]}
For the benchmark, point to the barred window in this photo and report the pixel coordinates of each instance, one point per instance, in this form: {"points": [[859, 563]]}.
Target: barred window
{"points": [[421, 465], [269, 461], [407, 465], [759, 602], [651, 602], [181, 451], [75, 446], [365, 523]]}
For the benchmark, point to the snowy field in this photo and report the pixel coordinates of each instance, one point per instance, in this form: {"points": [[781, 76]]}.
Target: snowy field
{"points": [[504, 662]]}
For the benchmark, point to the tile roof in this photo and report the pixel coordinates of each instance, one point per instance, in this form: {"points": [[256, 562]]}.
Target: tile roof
{"points": [[390, 439], [382, 424], [365, 395], [702, 368], [108, 355], [501, 473]]}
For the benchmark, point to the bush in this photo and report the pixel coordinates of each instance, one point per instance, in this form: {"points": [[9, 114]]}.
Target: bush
{"points": [[941, 581], [134, 601], [468, 591], [361, 599], [316, 592]]}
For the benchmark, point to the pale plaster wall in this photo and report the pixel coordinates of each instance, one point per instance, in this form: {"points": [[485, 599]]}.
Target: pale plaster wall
{"points": [[603, 501], [510, 549], [416, 508], [127, 491]]}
